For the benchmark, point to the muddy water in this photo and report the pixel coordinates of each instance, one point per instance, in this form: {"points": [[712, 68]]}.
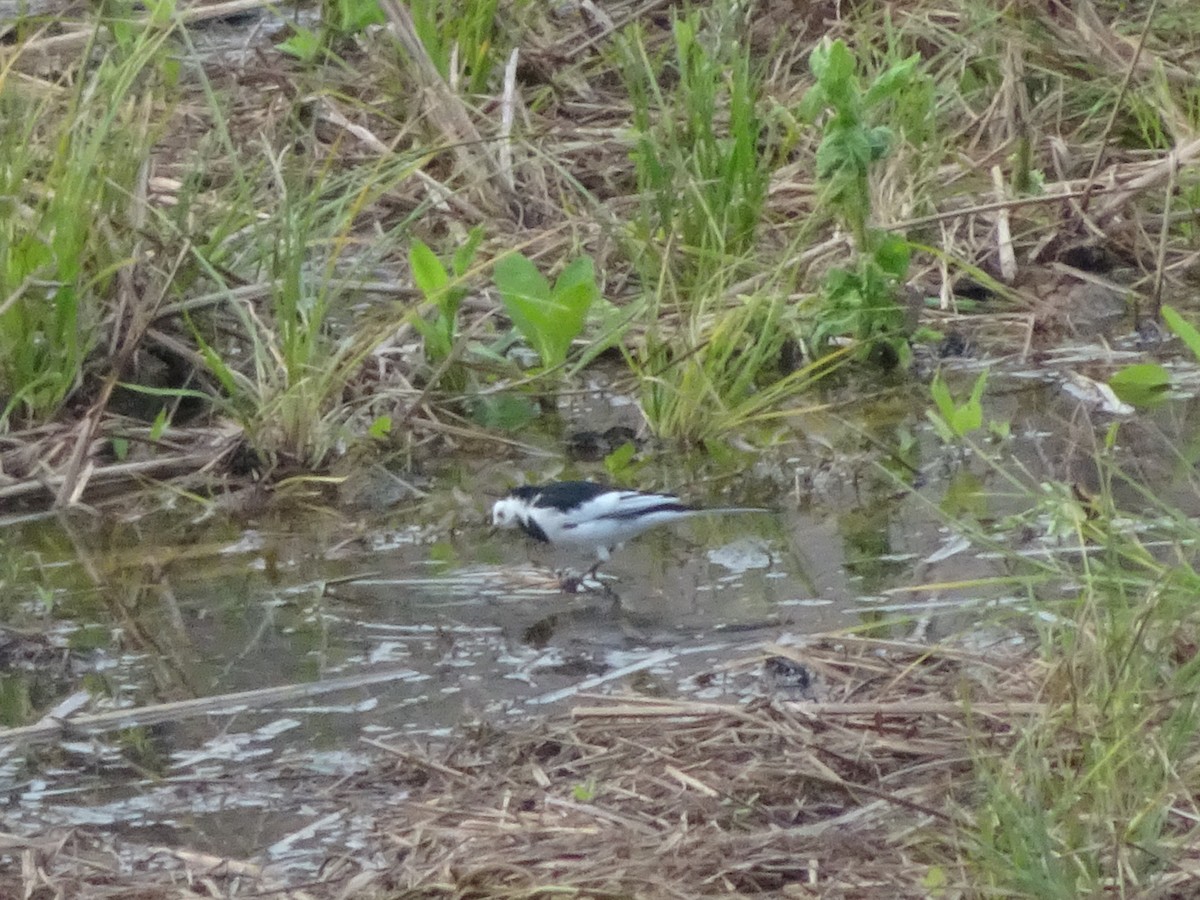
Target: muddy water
{"points": [[453, 623]]}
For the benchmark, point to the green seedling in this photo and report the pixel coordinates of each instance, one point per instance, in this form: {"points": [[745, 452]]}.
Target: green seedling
{"points": [[954, 421], [340, 19], [1182, 329], [1142, 384], [1146, 384], [304, 44], [549, 318], [861, 300], [701, 177], [443, 289], [380, 428], [618, 463]]}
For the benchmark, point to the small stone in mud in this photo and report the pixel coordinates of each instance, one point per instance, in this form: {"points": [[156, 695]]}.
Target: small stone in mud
{"points": [[592, 446], [783, 674], [953, 344]]}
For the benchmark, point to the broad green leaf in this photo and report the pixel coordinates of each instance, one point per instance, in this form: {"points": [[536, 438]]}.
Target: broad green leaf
{"points": [[1143, 384], [517, 275], [940, 392], [465, 255], [892, 255], [1182, 329], [549, 319], [428, 272], [526, 297], [574, 293], [959, 420], [356, 15], [840, 65], [579, 274], [618, 461], [977, 390], [304, 44], [843, 149], [892, 81], [818, 60], [967, 418], [381, 427]]}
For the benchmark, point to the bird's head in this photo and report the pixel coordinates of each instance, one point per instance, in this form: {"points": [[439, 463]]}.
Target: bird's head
{"points": [[506, 512]]}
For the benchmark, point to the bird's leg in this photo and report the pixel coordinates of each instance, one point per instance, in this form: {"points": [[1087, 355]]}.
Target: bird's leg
{"points": [[569, 584], [573, 584]]}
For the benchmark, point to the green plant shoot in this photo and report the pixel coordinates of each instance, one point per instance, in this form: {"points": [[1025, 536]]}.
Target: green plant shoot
{"points": [[443, 290], [1182, 329], [954, 421], [549, 318], [860, 300], [1142, 384]]}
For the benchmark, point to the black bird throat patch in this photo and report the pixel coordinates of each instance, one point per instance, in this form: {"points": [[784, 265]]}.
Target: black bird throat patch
{"points": [[533, 529]]}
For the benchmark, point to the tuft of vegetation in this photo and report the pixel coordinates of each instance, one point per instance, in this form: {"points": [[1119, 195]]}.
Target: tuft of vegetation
{"points": [[1095, 794], [862, 300], [72, 206], [549, 317], [701, 176]]}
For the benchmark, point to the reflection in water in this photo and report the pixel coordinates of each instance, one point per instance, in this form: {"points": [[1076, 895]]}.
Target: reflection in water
{"points": [[470, 626]]}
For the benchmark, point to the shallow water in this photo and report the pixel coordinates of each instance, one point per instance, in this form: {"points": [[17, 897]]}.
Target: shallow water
{"points": [[453, 623]]}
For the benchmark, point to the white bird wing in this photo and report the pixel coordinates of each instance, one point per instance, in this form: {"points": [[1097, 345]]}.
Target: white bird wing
{"points": [[614, 517], [628, 505]]}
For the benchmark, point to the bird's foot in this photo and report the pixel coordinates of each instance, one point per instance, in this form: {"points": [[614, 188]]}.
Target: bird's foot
{"points": [[574, 584], [570, 584]]}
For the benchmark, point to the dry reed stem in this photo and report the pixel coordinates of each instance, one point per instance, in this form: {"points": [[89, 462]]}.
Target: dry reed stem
{"points": [[854, 794], [447, 111], [685, 798]]}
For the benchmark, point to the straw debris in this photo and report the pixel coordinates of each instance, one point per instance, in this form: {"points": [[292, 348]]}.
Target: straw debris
{"points": [[846, 794]]}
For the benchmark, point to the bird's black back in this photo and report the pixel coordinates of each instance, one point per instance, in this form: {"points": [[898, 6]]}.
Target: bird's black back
{"points": [[561, 495]]}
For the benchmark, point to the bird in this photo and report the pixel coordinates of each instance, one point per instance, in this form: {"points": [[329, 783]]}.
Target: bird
{"points": [[592, 515]]}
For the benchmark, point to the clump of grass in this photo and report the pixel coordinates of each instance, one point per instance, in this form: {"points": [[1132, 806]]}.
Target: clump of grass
{"points": [[69, 196], [724, 373], [286, 390], [1096, 795], [859, 300], [463, 39], [700, 176]]}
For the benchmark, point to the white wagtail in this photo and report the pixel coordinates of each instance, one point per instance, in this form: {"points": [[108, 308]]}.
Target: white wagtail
{"points": [[590, 515]]}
